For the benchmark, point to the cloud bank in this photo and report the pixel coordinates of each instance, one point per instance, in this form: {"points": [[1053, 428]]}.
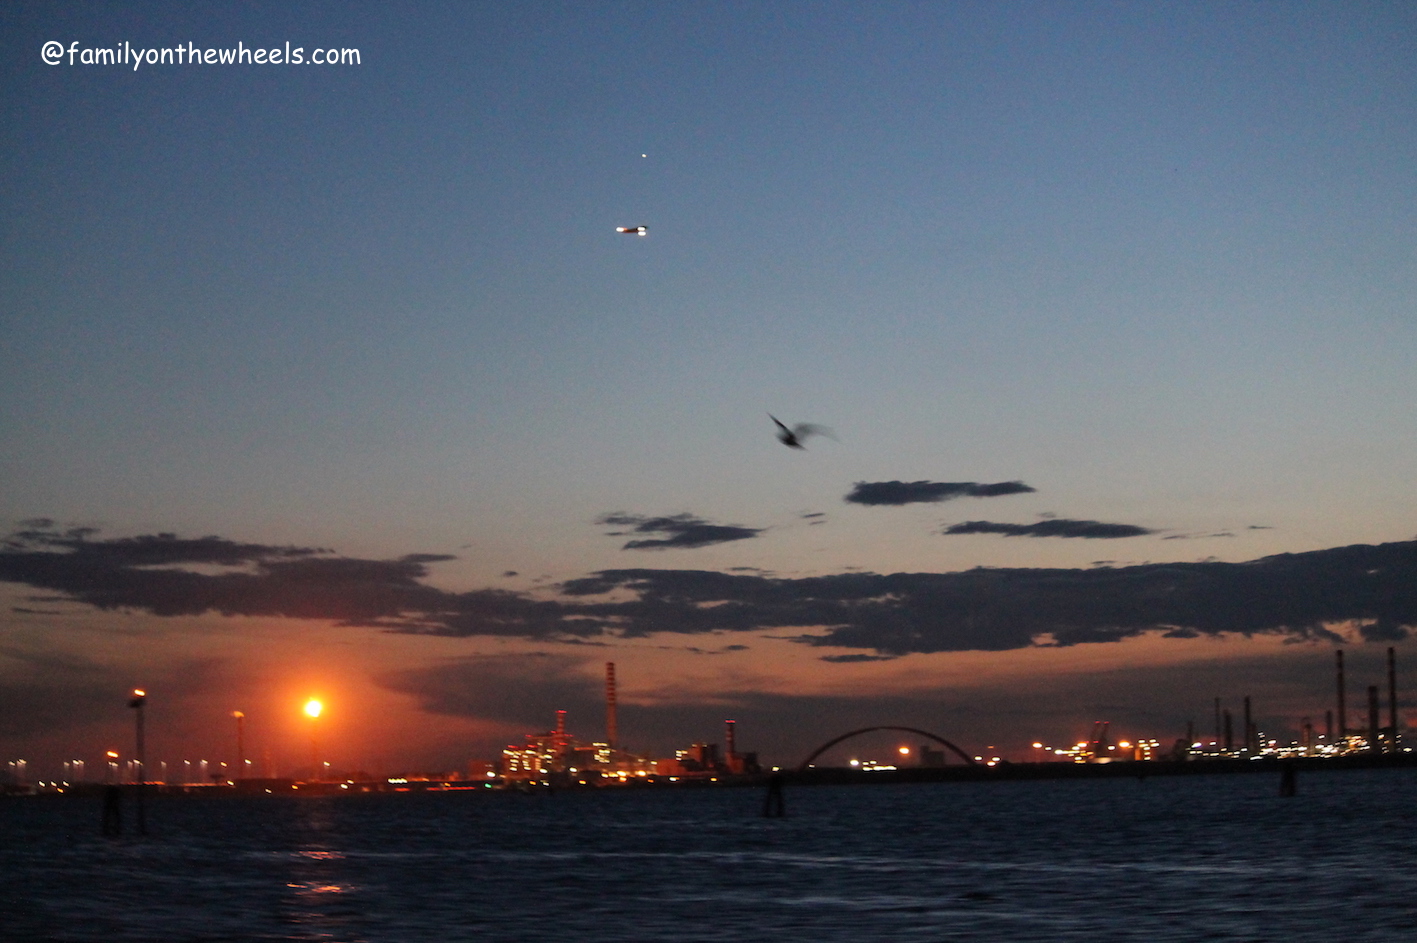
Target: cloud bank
{"points": [[895, 493], [1299, 595], [1054, 527]]}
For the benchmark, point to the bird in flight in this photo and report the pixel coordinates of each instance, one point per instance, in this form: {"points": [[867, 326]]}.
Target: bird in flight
{"points": [[792, 437], [631, 230]]}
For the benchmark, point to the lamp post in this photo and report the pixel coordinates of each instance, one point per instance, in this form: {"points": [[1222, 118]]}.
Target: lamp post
{"points": [[140, 698], [240, 742], [312, 710]]}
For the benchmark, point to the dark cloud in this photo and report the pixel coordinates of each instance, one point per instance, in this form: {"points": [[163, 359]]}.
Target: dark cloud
{"points": [[682, 531], [1054, 527], [153, 573], [1299, 595], [929, 492]]}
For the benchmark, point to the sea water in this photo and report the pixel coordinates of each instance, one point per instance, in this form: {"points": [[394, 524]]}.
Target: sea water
{"points": [[1186, 858]]}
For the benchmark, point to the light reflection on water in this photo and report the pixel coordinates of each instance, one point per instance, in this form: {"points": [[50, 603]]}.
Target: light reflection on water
{"points": [[1184, 859]]}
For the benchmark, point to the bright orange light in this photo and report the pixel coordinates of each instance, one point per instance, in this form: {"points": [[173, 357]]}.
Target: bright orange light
{"points": [[139, 692], [313, 707], [905, 751], [113, 754]]}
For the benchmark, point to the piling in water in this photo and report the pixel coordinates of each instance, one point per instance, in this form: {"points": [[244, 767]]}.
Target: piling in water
{"points": [[773, 805], [113, 811]]}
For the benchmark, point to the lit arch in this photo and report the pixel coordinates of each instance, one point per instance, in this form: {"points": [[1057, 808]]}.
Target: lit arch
{"points": [[915, 730]]}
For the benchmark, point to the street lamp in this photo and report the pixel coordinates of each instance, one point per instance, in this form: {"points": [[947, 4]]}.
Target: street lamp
{"points": [[140, 698], [240, 742]]}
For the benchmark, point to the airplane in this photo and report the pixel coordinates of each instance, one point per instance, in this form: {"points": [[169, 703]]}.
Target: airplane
{"points": [[632, 230]]}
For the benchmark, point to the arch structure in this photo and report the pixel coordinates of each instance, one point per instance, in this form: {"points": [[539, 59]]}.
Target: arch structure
{"points": [[915, 730]]}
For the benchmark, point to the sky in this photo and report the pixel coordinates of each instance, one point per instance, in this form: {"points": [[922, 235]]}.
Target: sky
{"points": [[338, 381]]}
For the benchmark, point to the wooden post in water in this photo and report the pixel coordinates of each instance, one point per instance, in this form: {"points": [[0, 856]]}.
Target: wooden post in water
{"points": [[112, 810], [773, 805]]}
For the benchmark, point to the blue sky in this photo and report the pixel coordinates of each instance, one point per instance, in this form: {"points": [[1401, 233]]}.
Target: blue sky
{"points": [[1154, 260]]}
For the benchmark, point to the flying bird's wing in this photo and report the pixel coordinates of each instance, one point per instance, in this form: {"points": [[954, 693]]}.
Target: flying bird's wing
{"points": [[804, 429], [784, 428]]}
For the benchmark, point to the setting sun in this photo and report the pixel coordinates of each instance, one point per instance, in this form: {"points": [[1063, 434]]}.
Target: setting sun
{"points": [[313, 707]]}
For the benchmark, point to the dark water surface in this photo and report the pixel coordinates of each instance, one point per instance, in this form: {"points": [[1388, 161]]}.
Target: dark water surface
{"points": [[1184, 858]]}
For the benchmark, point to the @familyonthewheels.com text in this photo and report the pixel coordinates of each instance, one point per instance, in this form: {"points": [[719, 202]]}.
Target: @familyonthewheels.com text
{"points": [[125, 54]]}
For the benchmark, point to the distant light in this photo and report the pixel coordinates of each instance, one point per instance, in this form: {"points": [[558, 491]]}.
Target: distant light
{"points": [[237, 714], [139, 692], [905, 751], [313, 707], [1038, 746]]}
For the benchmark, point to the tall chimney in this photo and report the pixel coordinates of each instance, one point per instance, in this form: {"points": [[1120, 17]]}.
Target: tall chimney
{"points": [[1249, 728], [1374, 741], [728, 738], [1392, 698], [611, 731], [1342, 708]]}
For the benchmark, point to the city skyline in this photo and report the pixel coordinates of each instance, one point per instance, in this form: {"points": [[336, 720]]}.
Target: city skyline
{"points": [[339, 382]]}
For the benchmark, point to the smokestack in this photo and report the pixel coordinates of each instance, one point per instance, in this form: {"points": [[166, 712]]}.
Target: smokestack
{"points": [[1249, 728], [1342, 708], [1374, 743], [1229, 732], [1392, 698], [1328, 724], [611, 725], [728, 738]]}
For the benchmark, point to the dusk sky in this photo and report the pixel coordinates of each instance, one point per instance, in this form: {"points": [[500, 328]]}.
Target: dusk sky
{"points": [[1108, 309]]}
